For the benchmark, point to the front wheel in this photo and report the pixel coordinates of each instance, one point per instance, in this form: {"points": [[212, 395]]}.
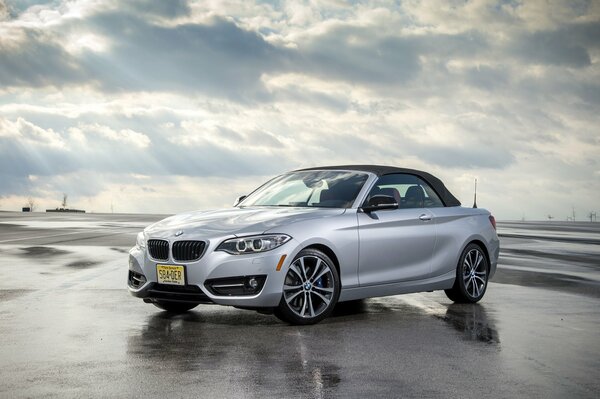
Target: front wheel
{"points": [[175, 307], [471, 276], [310, 290]]}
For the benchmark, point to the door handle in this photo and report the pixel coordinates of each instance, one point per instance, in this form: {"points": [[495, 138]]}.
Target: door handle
{"points": [[425, 217]]}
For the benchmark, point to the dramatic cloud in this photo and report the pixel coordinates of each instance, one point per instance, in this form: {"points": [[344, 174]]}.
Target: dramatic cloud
{"points": [[162, 106]]}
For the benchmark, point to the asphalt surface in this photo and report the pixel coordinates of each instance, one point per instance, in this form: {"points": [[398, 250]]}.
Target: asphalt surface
{"points": [[69, 328]]}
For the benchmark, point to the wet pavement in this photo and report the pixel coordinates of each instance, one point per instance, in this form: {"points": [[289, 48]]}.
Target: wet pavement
{"points": [[70, 329]]}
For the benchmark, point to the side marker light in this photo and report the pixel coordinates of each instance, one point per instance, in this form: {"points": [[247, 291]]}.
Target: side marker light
{"points": [[281, 262]]}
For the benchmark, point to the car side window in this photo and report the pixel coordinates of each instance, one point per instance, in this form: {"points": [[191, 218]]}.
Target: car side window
{"points": [[409, 191]]}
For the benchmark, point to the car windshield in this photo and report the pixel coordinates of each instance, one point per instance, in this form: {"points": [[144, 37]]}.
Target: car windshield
{"points": [[324, 189]]}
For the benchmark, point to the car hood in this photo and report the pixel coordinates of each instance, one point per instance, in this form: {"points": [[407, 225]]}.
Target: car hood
{"points": [[234, 221]]}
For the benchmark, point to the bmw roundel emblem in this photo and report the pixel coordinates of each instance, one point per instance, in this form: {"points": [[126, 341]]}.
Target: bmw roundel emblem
{"points": [[180, 232]]}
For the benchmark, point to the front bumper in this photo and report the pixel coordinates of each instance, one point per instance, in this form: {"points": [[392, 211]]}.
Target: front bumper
{"points": [[213, 265]]}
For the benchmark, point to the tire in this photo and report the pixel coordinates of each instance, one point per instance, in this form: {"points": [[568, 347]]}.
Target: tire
{"points": [[174, 307], [310, 290], [472, 274]]}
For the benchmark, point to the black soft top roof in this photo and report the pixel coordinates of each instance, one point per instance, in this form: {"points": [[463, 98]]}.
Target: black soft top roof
{"points": [[445, 195]]}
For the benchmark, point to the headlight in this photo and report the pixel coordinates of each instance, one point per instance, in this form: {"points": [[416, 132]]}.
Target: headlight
{"points": [[140, 240], [254, 244]]}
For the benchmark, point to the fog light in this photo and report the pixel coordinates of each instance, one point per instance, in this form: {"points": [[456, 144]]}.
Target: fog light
{"points": [[236, 286], [252, 283], [136, 280]]}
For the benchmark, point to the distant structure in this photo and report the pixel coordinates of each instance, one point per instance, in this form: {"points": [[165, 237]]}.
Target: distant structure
{"points": [[31, 204], [592, 217], [550, 217], [64, 208], [572, 217], [475, 195]]}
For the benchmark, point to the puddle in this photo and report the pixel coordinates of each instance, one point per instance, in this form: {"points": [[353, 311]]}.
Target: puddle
{"points": [[43, 252], [7, 295], [121, 250], [82, 264]]}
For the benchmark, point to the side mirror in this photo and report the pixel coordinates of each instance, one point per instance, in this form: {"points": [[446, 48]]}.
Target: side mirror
{"points": [[379, 203], [239, 199]]}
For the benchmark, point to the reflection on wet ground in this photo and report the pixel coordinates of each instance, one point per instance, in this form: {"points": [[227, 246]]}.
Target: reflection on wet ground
{"points": [[472, 321], [298, 361], [188, 343], [417, 345]]}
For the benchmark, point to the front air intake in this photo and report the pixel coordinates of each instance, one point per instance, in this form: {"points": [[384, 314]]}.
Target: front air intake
{"points": [[177, 293], [187, 251], [158, 249]]}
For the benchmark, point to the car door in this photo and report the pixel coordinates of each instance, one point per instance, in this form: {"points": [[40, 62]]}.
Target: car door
{"points": [[397, 245]]}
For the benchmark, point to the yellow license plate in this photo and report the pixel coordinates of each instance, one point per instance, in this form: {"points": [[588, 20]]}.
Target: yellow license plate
{"points": [[170, 274]]}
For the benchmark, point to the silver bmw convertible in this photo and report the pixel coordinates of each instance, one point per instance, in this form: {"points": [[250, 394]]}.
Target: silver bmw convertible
{"points": [[308, 239]]}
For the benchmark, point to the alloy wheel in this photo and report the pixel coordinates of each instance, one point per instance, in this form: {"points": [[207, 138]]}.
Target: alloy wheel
{"points": [[474, 272], [309, 286]]}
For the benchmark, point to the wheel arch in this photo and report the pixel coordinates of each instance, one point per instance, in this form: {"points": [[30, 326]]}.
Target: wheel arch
{"points": [[483, 247], [327, 251]]}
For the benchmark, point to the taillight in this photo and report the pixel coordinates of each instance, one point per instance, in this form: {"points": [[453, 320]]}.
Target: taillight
{"points": [[493, 221]]}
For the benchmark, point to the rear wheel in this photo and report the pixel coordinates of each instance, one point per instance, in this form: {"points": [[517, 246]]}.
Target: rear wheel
{"points": [[175, 307], [471, 276], [310, 290]]}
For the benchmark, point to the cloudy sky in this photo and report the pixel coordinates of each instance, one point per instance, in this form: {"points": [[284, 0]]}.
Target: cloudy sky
{"points": [[166, 106]]}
